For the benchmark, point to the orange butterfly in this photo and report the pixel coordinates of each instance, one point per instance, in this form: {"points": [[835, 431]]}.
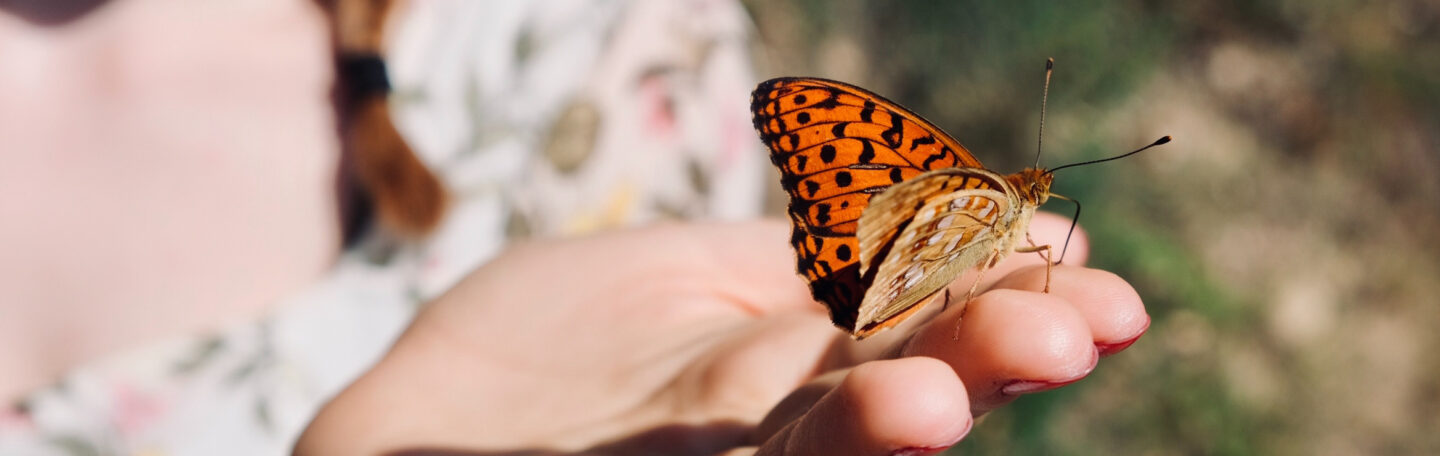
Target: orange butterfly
{"points": [[887, 209]]}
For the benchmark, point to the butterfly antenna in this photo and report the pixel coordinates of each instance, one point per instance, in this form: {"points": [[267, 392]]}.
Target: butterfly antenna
{"points": [[1044, 94], [1073, 221], [1157, 142]]}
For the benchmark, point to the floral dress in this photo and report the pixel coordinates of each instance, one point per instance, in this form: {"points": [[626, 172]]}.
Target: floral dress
{"points": [[544, 118]]}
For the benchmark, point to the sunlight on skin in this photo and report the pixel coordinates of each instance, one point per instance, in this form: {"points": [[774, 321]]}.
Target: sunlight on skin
{"points": [[689, 348]]}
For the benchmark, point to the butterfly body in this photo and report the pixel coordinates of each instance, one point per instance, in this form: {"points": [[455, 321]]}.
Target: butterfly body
{"points": [[886, 208]]}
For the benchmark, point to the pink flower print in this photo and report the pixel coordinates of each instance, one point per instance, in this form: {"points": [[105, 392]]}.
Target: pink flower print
{"points": [[134, 410], [658, 105]]}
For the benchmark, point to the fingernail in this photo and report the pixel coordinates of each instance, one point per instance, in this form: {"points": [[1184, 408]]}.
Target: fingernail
{"points": [[1018, 387], [1107, 349], [934, 450], [1110, 349], [919, 451]]}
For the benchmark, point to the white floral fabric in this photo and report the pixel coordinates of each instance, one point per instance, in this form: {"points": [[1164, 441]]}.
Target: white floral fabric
{"points": [[545, 118]]}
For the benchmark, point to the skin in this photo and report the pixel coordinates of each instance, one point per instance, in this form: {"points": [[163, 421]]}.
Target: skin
{"points": [[160, 158], [710, 345]]}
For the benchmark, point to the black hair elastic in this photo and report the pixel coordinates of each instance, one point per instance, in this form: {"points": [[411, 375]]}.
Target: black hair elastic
{"points": [[363, 75]]}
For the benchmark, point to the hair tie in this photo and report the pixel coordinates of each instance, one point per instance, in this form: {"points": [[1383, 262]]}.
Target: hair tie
{"points": [[363, 75]]}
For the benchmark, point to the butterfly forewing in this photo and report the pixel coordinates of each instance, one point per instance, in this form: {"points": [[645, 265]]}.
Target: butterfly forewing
{"points": [[837, 146]]}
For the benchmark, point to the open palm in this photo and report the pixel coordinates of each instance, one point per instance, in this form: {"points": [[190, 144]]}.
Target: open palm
{"points": [[700, 339]]}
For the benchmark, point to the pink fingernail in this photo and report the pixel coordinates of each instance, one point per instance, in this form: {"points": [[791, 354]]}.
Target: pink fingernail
{"points": [[1018, 387], [929, 451], [919, 451], [1110, 349], [1107, 349]]}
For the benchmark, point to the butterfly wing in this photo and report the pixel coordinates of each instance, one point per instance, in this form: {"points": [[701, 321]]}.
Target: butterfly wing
{"points": [[836, 146], [947, 221]]}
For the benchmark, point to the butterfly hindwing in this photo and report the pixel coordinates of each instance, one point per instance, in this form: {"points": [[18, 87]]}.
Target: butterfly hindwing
{"points": [[837, 146], [922, 235]]}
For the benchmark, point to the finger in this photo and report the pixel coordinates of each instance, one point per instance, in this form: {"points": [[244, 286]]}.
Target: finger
{"points": [[1109, 305], [1011, 342], [1052, 229], [1045, 228], [902, 406], [788, 347]]}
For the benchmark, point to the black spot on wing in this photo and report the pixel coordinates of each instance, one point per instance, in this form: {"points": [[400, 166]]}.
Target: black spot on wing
{"points": [[789, 182], [843, 179], [896, 134], [867, 152], [827, 153], [805, 264], [933, 158], [824, 266]]}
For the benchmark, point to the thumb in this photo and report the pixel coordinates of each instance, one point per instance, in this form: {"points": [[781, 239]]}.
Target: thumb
{"points": [[906, 406]]}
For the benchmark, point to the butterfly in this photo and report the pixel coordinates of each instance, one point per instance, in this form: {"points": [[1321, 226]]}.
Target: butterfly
{"points": [[886, 208]]}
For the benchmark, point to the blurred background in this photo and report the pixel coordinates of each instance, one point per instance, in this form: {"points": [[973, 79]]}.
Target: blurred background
{"points": [[1285, 242]]}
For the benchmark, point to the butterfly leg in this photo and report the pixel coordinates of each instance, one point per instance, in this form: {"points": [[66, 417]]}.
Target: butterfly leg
{"points": [[1037, 248], [1049, 265], [968, 297], [976, 285]]}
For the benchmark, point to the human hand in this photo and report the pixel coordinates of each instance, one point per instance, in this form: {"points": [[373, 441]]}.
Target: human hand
{"points": [[701, 339]]}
